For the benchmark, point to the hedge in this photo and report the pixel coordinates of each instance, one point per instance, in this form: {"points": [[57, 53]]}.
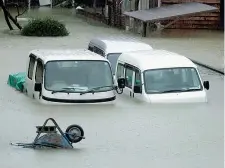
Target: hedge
{"points": [[44, 27]]}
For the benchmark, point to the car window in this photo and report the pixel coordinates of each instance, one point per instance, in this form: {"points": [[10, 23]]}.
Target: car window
{"points": [[129, 76], [80, 75], [120, 71], [195, 77], [31, 67], [162, 80], [98, 51], [137, 80], [39, 72]]}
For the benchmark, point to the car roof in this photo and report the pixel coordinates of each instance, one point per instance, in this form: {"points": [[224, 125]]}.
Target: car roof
{"points": [[57, 54], [119, 44], [155, 59]]}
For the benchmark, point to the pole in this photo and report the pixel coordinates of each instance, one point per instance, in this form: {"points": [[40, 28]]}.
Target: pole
{"points": [[144, 29], [29, 5], [159, 23]]}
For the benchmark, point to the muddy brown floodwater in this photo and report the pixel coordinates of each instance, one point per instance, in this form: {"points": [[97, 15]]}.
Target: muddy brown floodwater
{"points": [[128, 134]]}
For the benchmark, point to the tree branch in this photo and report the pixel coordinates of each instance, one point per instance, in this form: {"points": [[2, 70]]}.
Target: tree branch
{"points": [[9, 16], [5, 15]]}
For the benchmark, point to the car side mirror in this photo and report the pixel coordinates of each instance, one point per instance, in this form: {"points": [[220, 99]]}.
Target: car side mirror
{"points": [[206, 85], [37, 87], [121, 83], [137, 89]]}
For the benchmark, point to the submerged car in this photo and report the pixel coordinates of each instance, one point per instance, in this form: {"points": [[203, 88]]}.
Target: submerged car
{"points": [[160, 76], [67, 76], [112, 47]]}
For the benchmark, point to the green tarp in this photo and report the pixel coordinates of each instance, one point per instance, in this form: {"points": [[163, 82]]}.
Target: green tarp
{"points": [[17, 80]]}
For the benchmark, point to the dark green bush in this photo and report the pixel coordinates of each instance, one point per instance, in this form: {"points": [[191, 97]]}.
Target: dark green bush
{"points": [[44, 27]]}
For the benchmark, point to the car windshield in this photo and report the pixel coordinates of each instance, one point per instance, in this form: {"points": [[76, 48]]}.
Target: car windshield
{"points": [[171, 80], [77, 76], [113, 57]]}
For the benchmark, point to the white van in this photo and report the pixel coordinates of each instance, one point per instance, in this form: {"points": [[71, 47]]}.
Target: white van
{"points": [[159, 76], [112, 47], [69, 76]]}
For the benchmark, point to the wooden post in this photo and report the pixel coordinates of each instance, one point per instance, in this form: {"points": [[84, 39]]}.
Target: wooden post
{"points": [[159, 3], [222, 14], [144, 29]]}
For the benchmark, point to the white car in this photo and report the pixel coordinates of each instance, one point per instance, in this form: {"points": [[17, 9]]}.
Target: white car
{"points": [[70, 76], [112, 47], [159, 76]]}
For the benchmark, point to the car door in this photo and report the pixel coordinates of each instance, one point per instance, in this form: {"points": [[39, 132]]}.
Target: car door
{"points": [[39, 69], [30, 74], [129, 80]]}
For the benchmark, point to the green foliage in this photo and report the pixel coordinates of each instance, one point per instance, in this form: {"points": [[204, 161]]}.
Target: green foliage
{"points": [[44, 27]]}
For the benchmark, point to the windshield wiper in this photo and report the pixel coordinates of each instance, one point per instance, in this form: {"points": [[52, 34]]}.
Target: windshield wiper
{"points": [[189, 90], [171, 91], [65, 90], [180, 90], [93, 90]]}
